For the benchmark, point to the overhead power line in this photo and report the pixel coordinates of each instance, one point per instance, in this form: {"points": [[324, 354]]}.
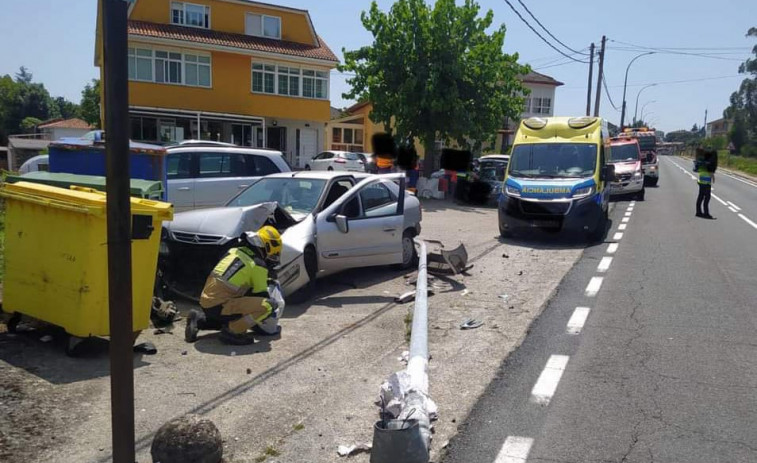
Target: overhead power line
{"points": [[607, 92], [547, 30], [671, 51], [668, 82], [541, 36]]}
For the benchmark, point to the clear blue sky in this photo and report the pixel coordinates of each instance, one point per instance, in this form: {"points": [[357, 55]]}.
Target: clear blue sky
{"points": [[54, 39]]}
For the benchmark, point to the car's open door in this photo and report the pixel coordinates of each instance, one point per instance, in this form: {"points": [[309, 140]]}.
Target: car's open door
{"points": [[364, 227]]}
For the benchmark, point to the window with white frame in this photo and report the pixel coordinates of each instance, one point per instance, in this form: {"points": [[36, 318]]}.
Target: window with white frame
{"points": [[289, 81], [169, 67], [190, 14], [542, 105], [263, 78], [315, 84], [261, 25], [140, 64], [197, 70], [527, 105]]}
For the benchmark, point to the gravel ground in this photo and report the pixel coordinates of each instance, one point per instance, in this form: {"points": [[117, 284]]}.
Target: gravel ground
{"points": [[294, 399]]}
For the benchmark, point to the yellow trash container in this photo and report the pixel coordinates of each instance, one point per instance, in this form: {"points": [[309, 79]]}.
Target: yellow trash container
{"points": [[56, 256]]}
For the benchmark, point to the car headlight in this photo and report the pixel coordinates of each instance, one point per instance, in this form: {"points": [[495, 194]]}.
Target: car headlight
{"points": [[638, 174], [512, 191], [583, 192]]}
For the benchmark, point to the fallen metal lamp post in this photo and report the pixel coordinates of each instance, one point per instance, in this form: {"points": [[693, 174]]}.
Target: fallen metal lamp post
{"points": [[407, 437]]}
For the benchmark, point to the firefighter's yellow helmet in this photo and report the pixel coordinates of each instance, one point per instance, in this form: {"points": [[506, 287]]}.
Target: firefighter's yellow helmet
{"points": [[268, 240]]}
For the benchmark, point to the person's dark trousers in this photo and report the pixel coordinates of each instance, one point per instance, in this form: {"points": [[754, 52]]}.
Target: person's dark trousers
{"points": [[705, 191]]}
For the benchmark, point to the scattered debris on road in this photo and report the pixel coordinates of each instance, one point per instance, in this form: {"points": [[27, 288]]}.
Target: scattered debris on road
{"points": [[147, 348], [347, 450], [471, 324], [188, 438]]}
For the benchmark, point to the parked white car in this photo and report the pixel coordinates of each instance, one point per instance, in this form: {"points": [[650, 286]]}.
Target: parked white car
{"points": [[337, 160], [329, 221], [35, 164], [203, 174]]}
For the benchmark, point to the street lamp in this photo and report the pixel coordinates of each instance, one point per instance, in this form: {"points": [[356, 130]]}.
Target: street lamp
{"points": [[635, 111], [625, 84], [642, 110]]}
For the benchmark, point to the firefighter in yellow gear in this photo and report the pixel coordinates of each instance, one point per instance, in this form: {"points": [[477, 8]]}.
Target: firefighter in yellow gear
{"points": [[236, 298]]}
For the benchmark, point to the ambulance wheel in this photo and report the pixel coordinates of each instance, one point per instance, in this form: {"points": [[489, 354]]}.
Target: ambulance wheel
{"points": [[654, 181], [600, 228], [13, 322]]}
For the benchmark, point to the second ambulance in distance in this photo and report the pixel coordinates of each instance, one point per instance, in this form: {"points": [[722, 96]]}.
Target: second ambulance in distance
{"points": [[557, 178]]}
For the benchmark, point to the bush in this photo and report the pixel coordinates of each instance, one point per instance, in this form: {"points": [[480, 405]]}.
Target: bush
{"points": [[749, 151]]}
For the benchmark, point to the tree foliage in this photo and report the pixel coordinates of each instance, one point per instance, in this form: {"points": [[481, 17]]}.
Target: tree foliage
{"points": [[743, 108], [90, 103], [434, 73]]}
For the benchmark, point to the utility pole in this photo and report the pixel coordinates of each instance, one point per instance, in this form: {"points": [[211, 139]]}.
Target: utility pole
{"points": [[591, 71], [705, 123], [118, 205], [600, 75]]}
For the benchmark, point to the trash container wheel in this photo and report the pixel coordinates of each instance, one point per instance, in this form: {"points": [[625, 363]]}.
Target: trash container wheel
{"points": [[72, 345], [13, 322]]}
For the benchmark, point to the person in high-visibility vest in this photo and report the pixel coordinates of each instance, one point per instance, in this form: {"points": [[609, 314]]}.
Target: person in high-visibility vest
{"points": [[236, 297], [706, 164]]}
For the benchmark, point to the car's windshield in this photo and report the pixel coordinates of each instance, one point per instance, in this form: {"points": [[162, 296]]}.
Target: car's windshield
{"points": [[553, 160], [296, 195], [492, 170], [626, 152]]}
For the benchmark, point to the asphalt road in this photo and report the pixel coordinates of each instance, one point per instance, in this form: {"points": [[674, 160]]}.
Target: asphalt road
{"points": [[664, 368]]}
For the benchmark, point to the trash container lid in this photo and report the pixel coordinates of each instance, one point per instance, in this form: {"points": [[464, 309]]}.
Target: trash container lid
{"points": [[82, 200], [139, 187], [81, 144]]}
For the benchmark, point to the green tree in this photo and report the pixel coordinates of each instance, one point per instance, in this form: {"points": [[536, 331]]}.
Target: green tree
{"points": [[434, 73], [29, 124], [743, 108], [63, 108], [21, 98], [739, 134], [90, 103]]}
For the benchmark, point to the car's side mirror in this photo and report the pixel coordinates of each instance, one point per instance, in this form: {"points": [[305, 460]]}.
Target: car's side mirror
{"points": [[609, 173], [342, 223]]}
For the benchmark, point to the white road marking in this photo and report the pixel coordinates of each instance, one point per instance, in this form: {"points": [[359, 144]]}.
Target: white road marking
{"points": [[546, 385], [626, 219], [604, 264], [594, 285], [622, 226], [515, 450], [612, 248], [577, 320], [633, 203], [734, 206], [720, 200], [740, 180], [746, 219], [732, 209], [628, 214], [618, 236]]}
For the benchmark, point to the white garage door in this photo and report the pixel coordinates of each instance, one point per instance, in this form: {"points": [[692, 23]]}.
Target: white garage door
{"points": [[308, 146]]}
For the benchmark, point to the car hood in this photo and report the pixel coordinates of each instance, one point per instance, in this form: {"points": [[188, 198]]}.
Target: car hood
{"points": [[626, 167], [222, 221]]}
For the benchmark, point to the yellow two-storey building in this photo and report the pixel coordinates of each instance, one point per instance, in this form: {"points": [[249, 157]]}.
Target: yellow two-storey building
{"points": [[237, 71]]}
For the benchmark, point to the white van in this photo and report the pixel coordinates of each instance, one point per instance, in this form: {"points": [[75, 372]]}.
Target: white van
{"points": [[204, 174]]}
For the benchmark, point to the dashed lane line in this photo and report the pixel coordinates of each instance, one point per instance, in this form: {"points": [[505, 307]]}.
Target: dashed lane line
{"points": [[593, 287], [720, 200], [618, 236], [604, 264], [622, 226], [612, 248], [546, 385], [626, 219], [515, 450], [734, 206], [578, 320]]}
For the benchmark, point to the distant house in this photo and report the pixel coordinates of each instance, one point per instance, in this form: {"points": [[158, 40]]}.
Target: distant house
{"points": [[539, 103], [353, 131], [718, 128], [62, 128]]}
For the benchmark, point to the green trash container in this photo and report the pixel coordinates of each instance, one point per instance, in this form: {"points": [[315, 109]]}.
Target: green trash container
{"points": [[145, 189]]}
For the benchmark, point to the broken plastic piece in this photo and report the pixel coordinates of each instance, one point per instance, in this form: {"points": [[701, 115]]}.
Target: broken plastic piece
{"points": [[347, 450], [470, 324], [146, 348]]}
